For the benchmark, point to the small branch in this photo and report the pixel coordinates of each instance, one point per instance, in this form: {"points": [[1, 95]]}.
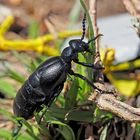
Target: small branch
{"points": [[109, 103]]}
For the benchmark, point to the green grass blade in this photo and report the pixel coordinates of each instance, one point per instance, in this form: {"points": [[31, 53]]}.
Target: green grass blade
{"points": [[7, 114], [15, 75], [104, 133], [33, 29], [7, 89], [5, 134]]}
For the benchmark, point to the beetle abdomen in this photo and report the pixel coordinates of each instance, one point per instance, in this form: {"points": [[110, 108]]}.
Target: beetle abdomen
{"points": [[41, 87], [24, 105]]}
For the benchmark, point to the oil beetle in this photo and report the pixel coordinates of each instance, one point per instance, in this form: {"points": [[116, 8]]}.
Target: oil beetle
{"points": [[45, 84]]}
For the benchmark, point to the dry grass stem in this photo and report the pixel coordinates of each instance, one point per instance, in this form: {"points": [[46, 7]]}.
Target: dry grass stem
{"points": [[99, 78]]}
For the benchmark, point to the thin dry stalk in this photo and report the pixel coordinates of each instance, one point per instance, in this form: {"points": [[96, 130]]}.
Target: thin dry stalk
{"points": [[97, 62], [130, 5]]}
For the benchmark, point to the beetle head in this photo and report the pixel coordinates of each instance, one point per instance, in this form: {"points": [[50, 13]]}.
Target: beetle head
{"points": [[76, 46], [79, 45]]}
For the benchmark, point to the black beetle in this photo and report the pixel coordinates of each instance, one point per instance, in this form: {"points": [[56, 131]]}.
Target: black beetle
{"points": [[47, 81]]}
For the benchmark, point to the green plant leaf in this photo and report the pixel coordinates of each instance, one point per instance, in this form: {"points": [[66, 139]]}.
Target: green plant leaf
{"points": [[100, 115], [85, 88], [70, 99], [89, 58], [65, 130], [73, 114], [30, 129]]}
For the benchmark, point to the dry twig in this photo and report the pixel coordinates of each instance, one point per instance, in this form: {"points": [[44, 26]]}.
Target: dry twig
{"points": [[109, 103]]}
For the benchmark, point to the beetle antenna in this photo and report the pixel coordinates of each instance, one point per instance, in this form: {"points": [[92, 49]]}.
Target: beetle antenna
{"points": [[94, 38], [83, 27]]}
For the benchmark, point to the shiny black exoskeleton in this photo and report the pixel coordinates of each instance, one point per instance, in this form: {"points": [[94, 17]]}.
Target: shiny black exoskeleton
{"points": [[47, 81]]}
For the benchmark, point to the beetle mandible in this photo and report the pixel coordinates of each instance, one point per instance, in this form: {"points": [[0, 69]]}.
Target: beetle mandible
{"points": [[47, 81]]}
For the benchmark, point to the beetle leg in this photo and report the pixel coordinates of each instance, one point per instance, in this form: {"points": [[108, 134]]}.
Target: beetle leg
{"points": [[85, 79], [90, 51], [88, 65], [17, 129]]}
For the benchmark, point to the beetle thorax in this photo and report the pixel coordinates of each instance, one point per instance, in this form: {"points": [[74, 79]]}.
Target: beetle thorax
{"points": [[75, 46], [68, 54]]}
